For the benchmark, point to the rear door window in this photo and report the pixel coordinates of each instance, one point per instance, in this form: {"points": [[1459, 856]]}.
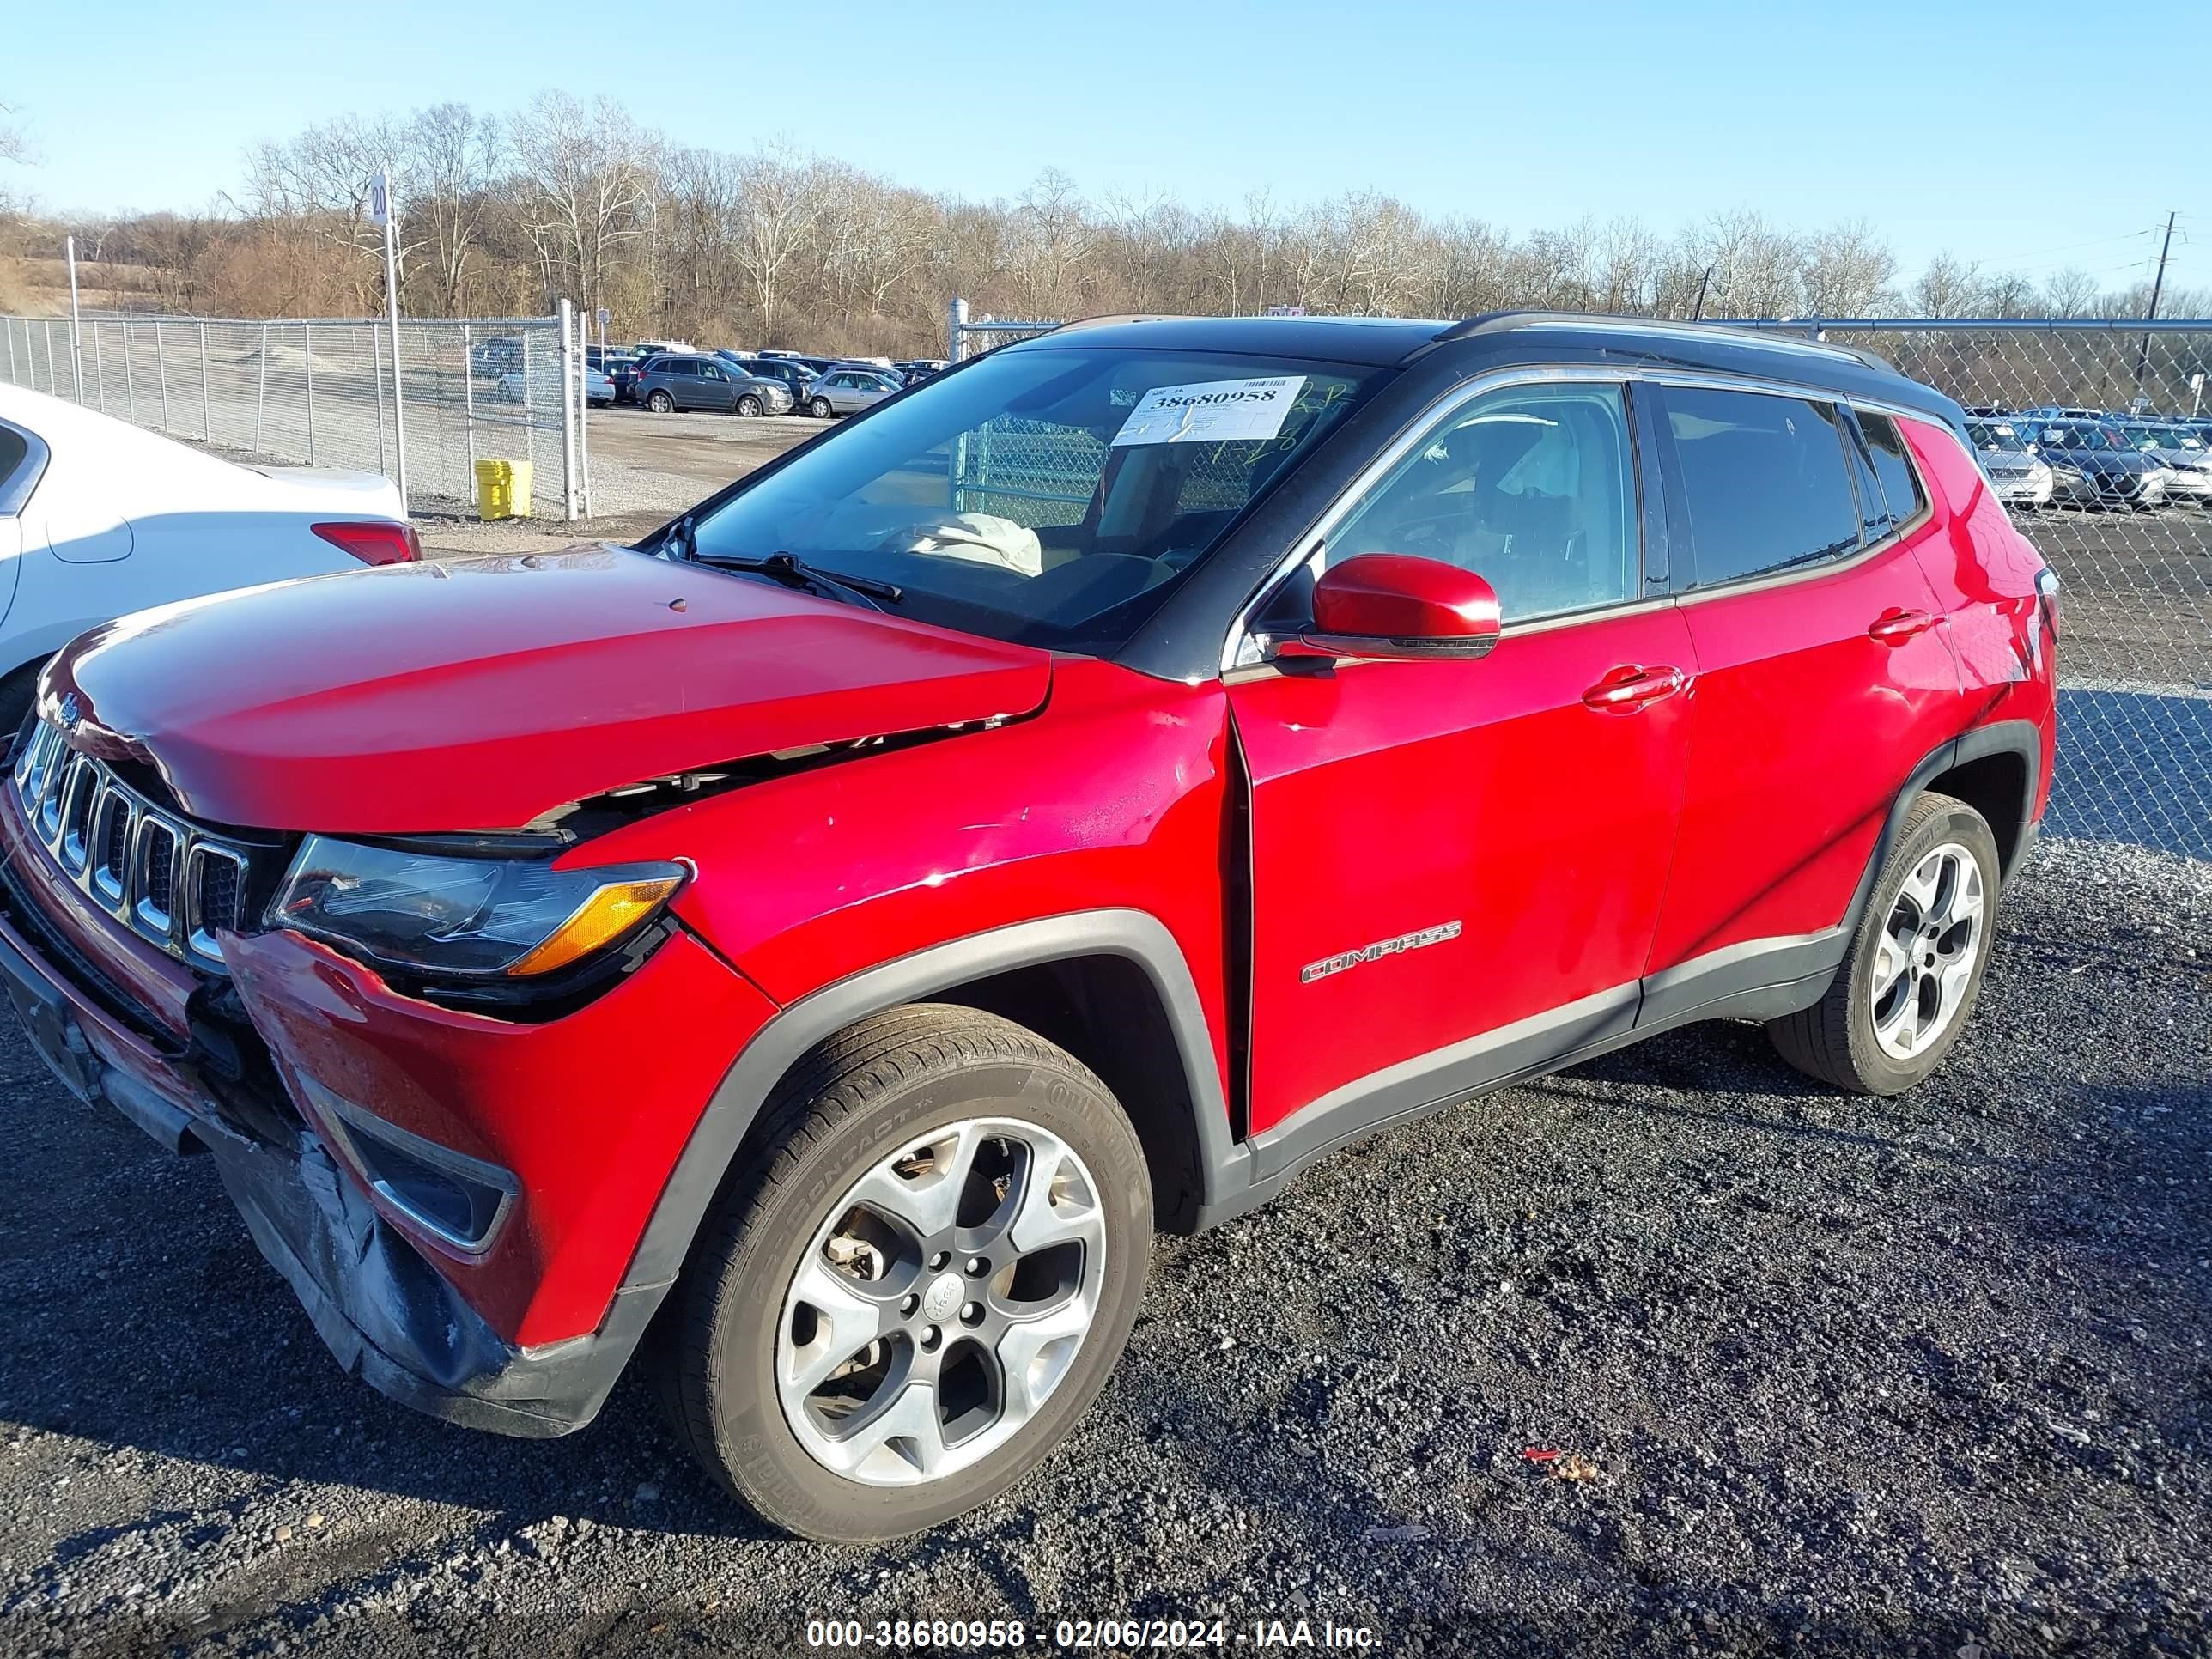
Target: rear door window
{"points": [[1765, 483]]}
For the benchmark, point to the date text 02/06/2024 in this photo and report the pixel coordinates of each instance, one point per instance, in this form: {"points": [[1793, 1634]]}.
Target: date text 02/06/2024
{"points": [[1089, 1635]]}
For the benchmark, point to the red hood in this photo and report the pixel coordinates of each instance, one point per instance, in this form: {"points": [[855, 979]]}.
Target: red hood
{"points": [[478, 694]]}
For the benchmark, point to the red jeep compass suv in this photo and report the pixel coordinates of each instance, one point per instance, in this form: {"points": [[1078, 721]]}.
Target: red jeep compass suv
{"points": [[1063, 800]]}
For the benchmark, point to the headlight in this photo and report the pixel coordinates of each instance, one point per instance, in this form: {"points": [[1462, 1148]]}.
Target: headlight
{"points": [[473, 917], [2073, 475]]}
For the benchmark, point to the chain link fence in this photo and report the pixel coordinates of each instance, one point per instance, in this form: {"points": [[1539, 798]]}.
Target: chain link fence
{"points": [[2126, 523], [324, 393]]}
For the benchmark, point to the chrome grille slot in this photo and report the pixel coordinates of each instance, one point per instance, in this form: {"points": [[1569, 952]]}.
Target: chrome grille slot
{"points": [[110, 836], [81, 783], [155, 872], [215, 877], [169, 880]]}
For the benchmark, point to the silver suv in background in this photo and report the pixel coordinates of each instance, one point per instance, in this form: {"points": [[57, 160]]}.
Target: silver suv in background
{"points": [[847, 391], [2018, 477], [2183, 452], [693, 381]]}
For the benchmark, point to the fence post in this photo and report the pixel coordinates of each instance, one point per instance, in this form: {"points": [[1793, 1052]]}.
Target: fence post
{"points": [[956, 329], [129, 381], [376, 357], [307, 359], [9, 332], [528, 419], [469, 408], [99, 368], [584, 417], [162, 369], [261, 389], [207, 408], [568, 319]]}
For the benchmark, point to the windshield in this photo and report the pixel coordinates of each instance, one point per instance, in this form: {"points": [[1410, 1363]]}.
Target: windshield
{"points": [[2164, 437], [2081, 437], [1050, 495], [1993, 434]]}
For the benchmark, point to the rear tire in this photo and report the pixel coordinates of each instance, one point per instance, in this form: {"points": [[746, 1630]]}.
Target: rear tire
{"points": [[660, 403], [819, 409], [918, 1280], [1915, 968]]}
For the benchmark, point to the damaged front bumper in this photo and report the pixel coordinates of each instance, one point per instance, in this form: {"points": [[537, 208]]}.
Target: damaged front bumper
{"points": [[377, 1303], [297, 1077]]}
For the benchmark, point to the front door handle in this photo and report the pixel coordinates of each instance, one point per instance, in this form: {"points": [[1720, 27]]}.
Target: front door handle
{"points": [[1894, 627], [1632, 686]]}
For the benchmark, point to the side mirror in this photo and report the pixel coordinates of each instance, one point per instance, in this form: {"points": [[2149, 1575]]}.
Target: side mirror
{"points": [[1397, 607]]}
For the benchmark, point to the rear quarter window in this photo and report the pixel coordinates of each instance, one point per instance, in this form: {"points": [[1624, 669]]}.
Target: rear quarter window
{"points": [[1900, 484], [1765, 482]]}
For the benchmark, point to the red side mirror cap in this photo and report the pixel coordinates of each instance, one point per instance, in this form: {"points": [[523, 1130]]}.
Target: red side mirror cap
{"points": [[1396, 605]]}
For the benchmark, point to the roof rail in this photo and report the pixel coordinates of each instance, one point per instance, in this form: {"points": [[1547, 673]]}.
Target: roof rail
{"points": [[1496, 322]]}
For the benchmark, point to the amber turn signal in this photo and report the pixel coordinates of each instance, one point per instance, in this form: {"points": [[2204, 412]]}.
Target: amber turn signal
{"points": [[605, 916]]}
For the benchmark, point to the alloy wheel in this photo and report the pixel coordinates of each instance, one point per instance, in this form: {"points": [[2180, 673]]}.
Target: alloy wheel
{"points": [[1925, 959], [941, 1304]]}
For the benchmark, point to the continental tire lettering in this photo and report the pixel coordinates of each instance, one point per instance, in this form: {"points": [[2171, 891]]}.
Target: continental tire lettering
{"points": [[1376, 951]]}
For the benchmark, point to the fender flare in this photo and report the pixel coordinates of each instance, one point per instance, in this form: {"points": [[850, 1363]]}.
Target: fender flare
{"points": [[736, 1103], [2012, 737]]}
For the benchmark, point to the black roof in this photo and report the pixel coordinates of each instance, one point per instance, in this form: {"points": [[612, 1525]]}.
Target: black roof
{"points": [[1507, 338]]}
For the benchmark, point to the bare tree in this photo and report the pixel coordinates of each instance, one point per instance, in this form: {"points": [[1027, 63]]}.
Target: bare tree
{"points": [[450, 157], [779, 200], [588, 172]]}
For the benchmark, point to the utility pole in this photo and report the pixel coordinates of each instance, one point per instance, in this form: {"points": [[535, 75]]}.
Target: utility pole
{"points": [[381, 212], [2157, 285]]}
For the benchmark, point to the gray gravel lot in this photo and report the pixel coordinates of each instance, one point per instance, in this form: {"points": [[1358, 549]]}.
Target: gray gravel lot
{"points": [[1844, 1375]]}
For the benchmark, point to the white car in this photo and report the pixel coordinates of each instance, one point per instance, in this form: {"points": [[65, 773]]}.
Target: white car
{"points": [[99, 518], [598, 390], [2017, 476]]}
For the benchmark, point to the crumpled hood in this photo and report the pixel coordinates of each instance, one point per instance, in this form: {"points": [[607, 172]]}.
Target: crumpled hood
{"points": [[479, 695]]}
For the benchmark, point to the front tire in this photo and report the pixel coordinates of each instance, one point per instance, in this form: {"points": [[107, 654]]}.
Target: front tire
{"points": [[749, 407], [819, 409], [1915, 962], [919, 1284]]}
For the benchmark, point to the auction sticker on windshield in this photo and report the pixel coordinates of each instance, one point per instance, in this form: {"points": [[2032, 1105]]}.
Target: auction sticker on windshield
{"points": [[1211, 411]]}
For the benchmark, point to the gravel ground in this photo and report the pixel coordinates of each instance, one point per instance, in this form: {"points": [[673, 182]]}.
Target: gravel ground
{"points": [[1824, 1374]]}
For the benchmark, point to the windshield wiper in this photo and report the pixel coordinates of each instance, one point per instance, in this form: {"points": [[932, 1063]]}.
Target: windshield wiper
{"points": [[791, 572]]}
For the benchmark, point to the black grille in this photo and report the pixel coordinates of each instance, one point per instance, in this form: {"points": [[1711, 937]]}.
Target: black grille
{"points": [[117, 845], [218, 895], [161, 869]]}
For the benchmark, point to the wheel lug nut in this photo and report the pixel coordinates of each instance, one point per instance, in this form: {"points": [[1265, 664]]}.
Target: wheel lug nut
{"points": [[907, 1304], [977, 1267], [972, 1313], [936, 1262], [930, 1337]]}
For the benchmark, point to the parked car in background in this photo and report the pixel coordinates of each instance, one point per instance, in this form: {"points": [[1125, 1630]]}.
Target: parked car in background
{"points": [[2019, 475], [2091, 466], [689, 381], [598, 389], [646, 351], [617, 365], [792, 375], [920, 369], [502, 353], [902, 911], [2185, 454], [847, 391], [99, 518]]}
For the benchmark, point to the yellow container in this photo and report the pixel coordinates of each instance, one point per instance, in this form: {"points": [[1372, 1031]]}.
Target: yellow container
{"points": [[503, 489]]}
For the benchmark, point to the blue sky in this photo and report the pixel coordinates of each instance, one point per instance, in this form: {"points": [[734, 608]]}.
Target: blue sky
{"points": [[1926, 119]]}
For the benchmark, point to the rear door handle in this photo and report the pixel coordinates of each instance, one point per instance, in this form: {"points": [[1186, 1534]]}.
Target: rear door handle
{"points": [[1632, 686], [1894, 627]]}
